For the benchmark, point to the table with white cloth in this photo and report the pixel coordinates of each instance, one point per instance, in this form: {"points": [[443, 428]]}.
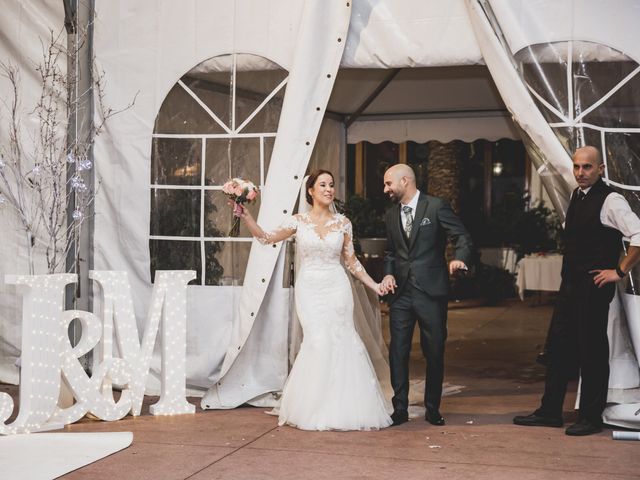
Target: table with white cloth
{"points": [[501, 257], [539, 272]]}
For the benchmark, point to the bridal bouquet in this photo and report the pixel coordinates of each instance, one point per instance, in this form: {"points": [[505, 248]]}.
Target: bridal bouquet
{"points": [[240, 191]]}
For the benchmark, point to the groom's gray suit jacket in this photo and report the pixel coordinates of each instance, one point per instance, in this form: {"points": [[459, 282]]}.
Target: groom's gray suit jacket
{"points": [[422, 256]]}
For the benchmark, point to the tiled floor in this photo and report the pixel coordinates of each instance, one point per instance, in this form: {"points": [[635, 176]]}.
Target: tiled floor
{"points": [[490, 357]]}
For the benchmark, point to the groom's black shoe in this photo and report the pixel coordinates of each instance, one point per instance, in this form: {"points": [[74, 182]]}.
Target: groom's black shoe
{"points": [[434, 417], [399, 417], [537, 420], [583, 427]]}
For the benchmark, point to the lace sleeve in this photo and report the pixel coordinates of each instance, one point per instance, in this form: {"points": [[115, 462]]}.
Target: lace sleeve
{"points": [[286, 229], [349, 258]]}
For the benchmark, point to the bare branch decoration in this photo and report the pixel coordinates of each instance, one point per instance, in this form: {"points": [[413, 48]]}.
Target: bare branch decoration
{"points": [[44, 177]]}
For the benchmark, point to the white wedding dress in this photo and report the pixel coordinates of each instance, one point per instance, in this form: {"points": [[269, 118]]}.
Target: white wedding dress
{"points": [[332, 385]]}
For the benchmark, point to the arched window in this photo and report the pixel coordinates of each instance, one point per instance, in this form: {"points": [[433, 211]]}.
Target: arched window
{"points": [[219, 121], [588, 93]]}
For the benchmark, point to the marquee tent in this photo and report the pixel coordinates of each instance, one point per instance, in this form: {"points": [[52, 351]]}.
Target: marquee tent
{"points": [[267, 89]]}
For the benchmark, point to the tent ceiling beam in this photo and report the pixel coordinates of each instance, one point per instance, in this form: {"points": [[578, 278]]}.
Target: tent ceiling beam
{"points": [[436, 114], [337, 116], [369, 100]]}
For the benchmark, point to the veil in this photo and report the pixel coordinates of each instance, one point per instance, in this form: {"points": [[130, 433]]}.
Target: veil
{"points": [[366, 316]]}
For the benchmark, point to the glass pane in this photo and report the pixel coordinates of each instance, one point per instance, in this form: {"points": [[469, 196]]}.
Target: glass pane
{"points": [[511, 154], [377, 159], [418, 158], [256, 78], [254, 209], [246, 159], [623, 163], [226, 262], [232, 157], [593, 78], [211, 82], [544, 68], [214, 95], [180, 113], [588, 136], [266, 120], [572, 138], [175, 255], [508, 171], [351, 169], [566, 136], [472, 190], [217, 214], [268, 151], [175, 212], [219, 218], [176, 161], [621, 109]]}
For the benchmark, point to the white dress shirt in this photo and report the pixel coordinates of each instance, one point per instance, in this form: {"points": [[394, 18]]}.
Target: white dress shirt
{"points": [[616, 213], [413, 203]]}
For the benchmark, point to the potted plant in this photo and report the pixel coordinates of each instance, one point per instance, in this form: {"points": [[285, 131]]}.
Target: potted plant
{"points": [[367, 218]]}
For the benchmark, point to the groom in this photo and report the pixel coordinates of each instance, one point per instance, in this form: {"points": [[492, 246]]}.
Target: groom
{"points": [[416, 277]]}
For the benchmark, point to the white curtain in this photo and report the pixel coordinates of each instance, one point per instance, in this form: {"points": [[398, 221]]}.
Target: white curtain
{"points": [[318, 50], [26, 26], [390, 34]]}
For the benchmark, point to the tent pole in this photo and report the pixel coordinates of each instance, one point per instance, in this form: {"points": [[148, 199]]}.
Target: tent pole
{"points": [[342, 186], [70, 18], [79, 25]]}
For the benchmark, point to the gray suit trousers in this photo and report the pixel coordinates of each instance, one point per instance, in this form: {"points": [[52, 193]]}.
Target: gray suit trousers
{"points": [[413, 304]]}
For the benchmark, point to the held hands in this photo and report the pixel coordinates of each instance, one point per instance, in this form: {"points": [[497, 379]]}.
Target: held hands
{"points": [[388, 285], [603, 277], [456, 265]]}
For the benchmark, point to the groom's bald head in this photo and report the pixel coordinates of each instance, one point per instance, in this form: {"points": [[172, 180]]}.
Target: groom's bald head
{"points": [[401, 170], [400, 183]]}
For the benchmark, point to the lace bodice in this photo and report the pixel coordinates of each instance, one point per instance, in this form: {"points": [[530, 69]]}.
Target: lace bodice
{"points": [[319, 246]]}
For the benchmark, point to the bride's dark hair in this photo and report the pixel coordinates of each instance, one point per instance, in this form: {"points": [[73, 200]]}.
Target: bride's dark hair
{"points": [[311, 181]]}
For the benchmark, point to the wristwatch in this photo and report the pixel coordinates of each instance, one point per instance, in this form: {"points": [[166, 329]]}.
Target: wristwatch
{"points": [[619, 271]]}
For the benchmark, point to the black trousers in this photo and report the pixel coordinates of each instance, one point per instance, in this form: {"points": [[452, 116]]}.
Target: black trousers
{"points": [[430, 312], [577, 341]]}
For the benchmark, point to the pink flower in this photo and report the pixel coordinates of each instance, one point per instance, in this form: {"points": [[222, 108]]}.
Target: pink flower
{"points": [[239, 190]]}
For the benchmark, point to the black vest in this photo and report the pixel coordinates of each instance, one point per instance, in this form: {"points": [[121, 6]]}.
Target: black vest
{"points": [[402, 230], [588, 244]]}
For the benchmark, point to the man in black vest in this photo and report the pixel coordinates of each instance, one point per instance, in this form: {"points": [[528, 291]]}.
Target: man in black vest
{"points": [[416, 273], [596, 219]]}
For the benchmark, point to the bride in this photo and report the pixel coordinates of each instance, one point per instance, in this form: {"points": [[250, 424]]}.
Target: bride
{"points": [[332, 384]]}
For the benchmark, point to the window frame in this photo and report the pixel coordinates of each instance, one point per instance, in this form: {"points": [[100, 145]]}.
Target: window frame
{"points": [[232, 132]]}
